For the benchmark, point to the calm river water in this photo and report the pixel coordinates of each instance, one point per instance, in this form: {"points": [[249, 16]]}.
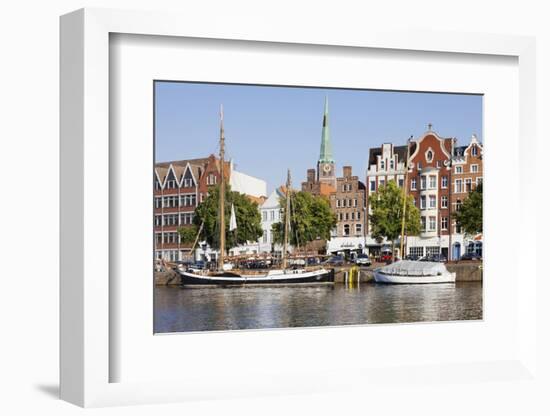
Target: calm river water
{"points": [[218, 308]]}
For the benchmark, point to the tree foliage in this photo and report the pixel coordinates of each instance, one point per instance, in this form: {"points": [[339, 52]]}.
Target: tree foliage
{"points": [[470, 213], [248, 217], [310, 219], [188, 234], [387, 213]]}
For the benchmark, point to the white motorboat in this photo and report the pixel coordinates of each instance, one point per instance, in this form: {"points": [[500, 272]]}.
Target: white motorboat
{"points": [[409, 271]]}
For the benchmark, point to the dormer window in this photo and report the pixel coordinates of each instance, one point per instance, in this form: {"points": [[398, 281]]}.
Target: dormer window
{"points": [[474, 150], [211, 179]]}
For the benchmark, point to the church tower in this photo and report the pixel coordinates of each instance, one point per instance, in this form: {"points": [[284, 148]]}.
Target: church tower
{"points": [[326, 172]]}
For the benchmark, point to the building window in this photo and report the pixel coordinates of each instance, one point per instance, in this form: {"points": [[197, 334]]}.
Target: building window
{"points": [[432, 201], [358, 229], [158, 220], [381, 182], [429, 156], [413, 184], [358, 215], [474, 168], [372, 186], [416, 251], [458, 186], [346, 216], [433, 181], [432, 223], [340, 216], [423, 202], [157, 186], [422, 182], [419, 166], [265, 236], [468, 185], [432, 250], [271, 215], [355, 202], [337, 203], [444, 181], [382, 165], [211, 179], [346, 229], [444, 201], [474, 151], [391, 164], [158, 202], [401, 182], [171, 184], [458, 169], [444, 223], [352, 215], [422, 223], [479, 181], [188, 183]]}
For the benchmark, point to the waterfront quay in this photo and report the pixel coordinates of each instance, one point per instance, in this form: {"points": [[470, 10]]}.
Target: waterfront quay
{"points": [[466, 271]]}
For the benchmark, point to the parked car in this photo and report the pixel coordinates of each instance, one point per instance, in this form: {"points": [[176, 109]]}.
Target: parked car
{"points": [[311, 261], [363, 260], [470, 256], [438, 258], [335, 261], [413, 257], [199, 265], [386, 257]]}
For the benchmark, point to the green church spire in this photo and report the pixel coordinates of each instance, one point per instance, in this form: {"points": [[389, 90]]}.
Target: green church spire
{"points": [[326, 148]]}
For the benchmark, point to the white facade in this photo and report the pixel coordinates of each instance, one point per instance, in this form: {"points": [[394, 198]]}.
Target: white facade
{"points": [[271, 214], [246, 184]]}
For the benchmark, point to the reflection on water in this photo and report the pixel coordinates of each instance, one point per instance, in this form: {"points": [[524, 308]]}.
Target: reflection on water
{"points": [[218, 308]]}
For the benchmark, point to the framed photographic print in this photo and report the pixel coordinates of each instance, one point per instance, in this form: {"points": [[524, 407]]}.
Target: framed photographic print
{"points": [[239, 210]]}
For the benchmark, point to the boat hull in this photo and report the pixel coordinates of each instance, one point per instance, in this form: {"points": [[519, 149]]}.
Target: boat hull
{"points": [[231, 279], [380, 277]]}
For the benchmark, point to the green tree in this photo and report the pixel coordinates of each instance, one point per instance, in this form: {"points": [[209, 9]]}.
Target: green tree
{"points": [[246, 212], [470, 213], [387, 213], [188, 233], [310, 219]]}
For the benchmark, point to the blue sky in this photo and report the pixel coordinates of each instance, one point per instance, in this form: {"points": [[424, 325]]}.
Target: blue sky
{"points": [[270, 129]]}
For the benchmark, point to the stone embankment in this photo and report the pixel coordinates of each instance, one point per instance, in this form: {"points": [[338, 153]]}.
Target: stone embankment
{"points": [[470, 271], [466, 271], [168, 278]]}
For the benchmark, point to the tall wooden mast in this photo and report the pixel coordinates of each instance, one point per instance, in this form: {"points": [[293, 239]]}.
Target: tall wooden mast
{"points": [[287, 220], [405, 199], [222, 193]]}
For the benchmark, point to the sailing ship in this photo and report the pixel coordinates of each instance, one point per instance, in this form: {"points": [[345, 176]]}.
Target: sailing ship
{"points": [[412, 271], [221, 276]]}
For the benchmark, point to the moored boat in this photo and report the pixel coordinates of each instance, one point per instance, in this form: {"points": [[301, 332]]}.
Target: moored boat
{"points": [[409, 271], [223, 275], [271, 277]]}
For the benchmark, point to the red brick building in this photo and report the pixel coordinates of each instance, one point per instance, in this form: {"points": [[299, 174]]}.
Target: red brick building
{"points": [[439, 178], [179, 187]]}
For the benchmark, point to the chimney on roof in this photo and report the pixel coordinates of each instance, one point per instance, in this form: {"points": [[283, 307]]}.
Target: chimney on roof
{"points": [[311, 175], [347, 171]]}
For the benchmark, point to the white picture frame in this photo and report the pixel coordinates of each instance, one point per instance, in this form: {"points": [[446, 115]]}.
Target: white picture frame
{"points": [[86, 290]]}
